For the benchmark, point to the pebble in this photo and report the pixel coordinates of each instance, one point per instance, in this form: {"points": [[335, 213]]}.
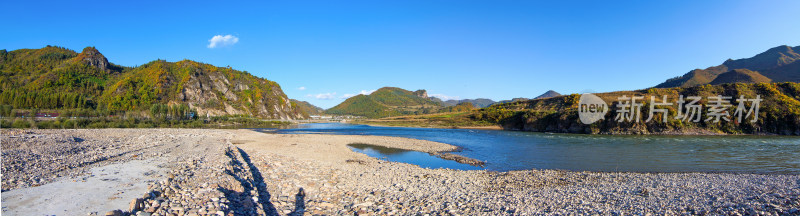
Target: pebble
{"points": [[209, 175], [114, 213]]}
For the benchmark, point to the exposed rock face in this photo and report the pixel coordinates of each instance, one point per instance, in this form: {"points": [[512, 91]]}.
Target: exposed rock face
{"points": [[421, 93], [210, 89], [91, 56], [215, 94]]}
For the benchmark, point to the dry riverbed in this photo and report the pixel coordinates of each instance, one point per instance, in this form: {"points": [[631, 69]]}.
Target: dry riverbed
{"points": [[241, 172]]}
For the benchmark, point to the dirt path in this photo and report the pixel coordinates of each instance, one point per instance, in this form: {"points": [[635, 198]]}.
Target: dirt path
{"points": [[108, 187]]}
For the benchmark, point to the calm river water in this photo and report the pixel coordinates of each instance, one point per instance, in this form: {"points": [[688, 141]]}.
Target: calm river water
{"points": [[512, 150]]}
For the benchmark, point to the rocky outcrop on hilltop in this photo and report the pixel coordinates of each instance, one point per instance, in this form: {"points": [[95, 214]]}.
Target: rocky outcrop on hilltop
{"points": [[215, 94], [387, 101], [421, 93], [53, 77], [94, 58]]}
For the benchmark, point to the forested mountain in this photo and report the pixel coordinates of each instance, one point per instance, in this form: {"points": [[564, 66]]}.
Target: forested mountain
{"points": [[306, 108], [461, 107], [779, 64], [386, 101], [59, 78]]}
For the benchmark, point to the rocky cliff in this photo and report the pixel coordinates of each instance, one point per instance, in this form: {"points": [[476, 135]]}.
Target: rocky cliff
{"points": [[421, 93], [34, 74], [92, 57]]}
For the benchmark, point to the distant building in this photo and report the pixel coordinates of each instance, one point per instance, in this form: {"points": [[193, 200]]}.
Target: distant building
{"points": [[320, 117]]}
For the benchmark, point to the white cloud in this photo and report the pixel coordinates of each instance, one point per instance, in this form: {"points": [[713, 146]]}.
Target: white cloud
{"points": [[222, 41], [444, 97], [301, 88], [323, 96], [364, 92]]}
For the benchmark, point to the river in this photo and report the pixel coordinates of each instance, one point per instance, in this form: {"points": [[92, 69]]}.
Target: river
{"points": [[514, 150]]}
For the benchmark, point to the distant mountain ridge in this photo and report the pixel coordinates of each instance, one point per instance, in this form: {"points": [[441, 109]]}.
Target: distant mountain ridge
{"points": [[386, 101], [512, 100], [548, 94], [740, 76], [778, 64], [307, 109], [54, 78], [478, 103]]}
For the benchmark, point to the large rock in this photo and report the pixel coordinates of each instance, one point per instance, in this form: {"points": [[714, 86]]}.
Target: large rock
{"points": [[421, 93], [93, 57], [136, 205], [114, 213]]}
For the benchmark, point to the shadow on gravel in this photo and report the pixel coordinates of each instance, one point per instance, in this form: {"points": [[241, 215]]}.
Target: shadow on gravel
{"points": [[260, 185], [243, 203], [299, 203]]}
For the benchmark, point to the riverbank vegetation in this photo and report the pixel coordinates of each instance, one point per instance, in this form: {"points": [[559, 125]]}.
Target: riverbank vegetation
{"points": [[132, 122], [779, 112], [438, 120]]}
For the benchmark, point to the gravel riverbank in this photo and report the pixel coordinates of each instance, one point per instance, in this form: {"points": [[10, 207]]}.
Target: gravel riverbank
{"points": [[242, 172]]}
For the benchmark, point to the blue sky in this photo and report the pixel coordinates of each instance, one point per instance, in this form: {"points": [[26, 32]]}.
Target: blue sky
{"points": [[323, 51]]}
